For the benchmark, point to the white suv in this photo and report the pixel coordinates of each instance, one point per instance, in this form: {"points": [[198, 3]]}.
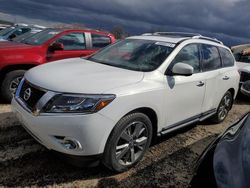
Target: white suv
{"points": [[111, 104]]}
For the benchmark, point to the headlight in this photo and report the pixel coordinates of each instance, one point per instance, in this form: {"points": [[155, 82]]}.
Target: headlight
{"points": [[66, 103]]}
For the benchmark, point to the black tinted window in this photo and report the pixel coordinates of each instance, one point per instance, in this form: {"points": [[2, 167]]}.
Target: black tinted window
{"points": [[100, 41], [189, 55], [227, 58], [211, 58]]}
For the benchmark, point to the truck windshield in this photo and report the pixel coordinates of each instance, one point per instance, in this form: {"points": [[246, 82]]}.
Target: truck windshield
{"points": [[6, 31], [26, 35], [41, 37], [134, 54]]}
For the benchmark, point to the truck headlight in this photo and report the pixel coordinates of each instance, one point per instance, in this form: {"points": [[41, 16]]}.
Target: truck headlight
{"points": [[66, 103]]}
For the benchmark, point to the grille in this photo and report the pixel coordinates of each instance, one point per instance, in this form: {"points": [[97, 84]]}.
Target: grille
{"points": [[244, 76], [35, 95]]}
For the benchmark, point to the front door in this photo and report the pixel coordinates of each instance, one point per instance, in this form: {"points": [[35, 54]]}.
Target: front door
{"points": [[74, 46], [185, 94]]}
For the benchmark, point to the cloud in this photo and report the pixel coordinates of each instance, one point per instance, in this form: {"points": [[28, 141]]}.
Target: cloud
{"points": [[228, 19]]}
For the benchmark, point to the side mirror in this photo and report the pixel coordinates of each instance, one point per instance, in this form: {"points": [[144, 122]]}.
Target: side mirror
{"points": [[57, 46], [182, 69]]}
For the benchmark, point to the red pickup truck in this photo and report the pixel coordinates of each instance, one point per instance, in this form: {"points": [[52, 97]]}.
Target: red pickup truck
{"points": [[45, 46]]}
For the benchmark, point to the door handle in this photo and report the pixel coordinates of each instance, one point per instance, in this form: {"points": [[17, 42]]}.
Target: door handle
{"points": [[225, 78], [200, 84]]}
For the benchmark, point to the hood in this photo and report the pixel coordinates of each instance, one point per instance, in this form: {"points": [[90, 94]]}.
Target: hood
{"points": [[9, 45], [78, 75]]}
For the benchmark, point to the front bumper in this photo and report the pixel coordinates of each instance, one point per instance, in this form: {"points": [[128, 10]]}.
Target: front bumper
{"points": [[90, 130]]}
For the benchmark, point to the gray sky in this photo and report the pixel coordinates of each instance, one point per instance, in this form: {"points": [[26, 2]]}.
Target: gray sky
{"points": [[227, 20]]}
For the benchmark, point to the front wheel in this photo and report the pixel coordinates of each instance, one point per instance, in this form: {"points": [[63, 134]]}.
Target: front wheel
{"points": [[10, 83], [128, 142], [224, 107]]}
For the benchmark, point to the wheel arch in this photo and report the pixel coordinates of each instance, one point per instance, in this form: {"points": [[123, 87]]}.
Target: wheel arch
{"points": [[10, 68], [152, 115]]}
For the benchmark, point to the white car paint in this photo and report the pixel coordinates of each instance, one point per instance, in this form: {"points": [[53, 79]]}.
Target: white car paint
{"points": [[172, 98]]}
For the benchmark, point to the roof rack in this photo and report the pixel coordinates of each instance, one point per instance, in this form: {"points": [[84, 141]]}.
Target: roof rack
{"points": [[184, 34], [207, 38]]}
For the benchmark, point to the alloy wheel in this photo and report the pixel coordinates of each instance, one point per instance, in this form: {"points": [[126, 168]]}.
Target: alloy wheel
{"points": [[14, 84], [131, 143], [224, 107]]}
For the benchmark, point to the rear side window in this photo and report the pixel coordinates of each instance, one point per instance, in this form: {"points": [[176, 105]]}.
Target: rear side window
{"points": [[211, 58], [227, 58], [100, 41]]}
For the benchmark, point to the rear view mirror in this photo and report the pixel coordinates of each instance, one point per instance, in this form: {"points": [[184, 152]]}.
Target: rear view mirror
{"points": [[182, 69], [57, 46]]}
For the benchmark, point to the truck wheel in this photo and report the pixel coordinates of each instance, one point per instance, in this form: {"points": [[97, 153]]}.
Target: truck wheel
{"points": [[128, 142], [224, 107], [10, 83]]}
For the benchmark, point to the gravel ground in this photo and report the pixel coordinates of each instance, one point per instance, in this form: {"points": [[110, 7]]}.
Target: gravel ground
{"points": [[168, 163]]}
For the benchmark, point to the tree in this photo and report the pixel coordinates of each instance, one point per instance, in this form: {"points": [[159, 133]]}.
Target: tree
{"points": [[119, 32]]}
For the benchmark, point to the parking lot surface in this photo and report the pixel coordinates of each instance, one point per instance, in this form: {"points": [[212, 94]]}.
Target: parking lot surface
{"points": [[168, 163]]}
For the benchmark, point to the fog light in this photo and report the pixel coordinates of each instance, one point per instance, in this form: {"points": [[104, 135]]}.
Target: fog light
{"points": [[69, 143]]}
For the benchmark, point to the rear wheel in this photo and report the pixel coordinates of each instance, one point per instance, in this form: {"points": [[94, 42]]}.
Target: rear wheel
{"points": [[128, 142], [224, 107], [10, 83]]}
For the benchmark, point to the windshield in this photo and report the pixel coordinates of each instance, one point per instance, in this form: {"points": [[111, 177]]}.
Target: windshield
{"points": [[6, 31], [134, 54], [41, 37], [20, 38]]}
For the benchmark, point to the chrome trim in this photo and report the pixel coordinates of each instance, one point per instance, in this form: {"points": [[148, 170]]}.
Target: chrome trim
{"points": [[43, 101]]}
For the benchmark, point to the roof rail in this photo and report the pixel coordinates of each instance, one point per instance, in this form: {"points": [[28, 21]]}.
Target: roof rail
{"points": [[182, 34], [207, 38]]}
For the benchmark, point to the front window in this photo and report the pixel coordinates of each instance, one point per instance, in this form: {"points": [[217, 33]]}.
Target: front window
{"points": [[189, 55], [135, 54], [41, 37], [73, 41]]}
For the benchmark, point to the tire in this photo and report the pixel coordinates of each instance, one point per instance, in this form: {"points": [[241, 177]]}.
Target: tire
{"points": [[223, 108], [10, 83], [126, 146]]}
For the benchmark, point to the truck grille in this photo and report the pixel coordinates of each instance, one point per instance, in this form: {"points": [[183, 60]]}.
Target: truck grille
{"points": [[244, 76], [30, 95]]}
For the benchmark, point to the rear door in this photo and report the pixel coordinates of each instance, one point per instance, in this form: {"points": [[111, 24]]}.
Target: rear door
{"points": [[74, 46], [211, 68], [229, 76]]}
